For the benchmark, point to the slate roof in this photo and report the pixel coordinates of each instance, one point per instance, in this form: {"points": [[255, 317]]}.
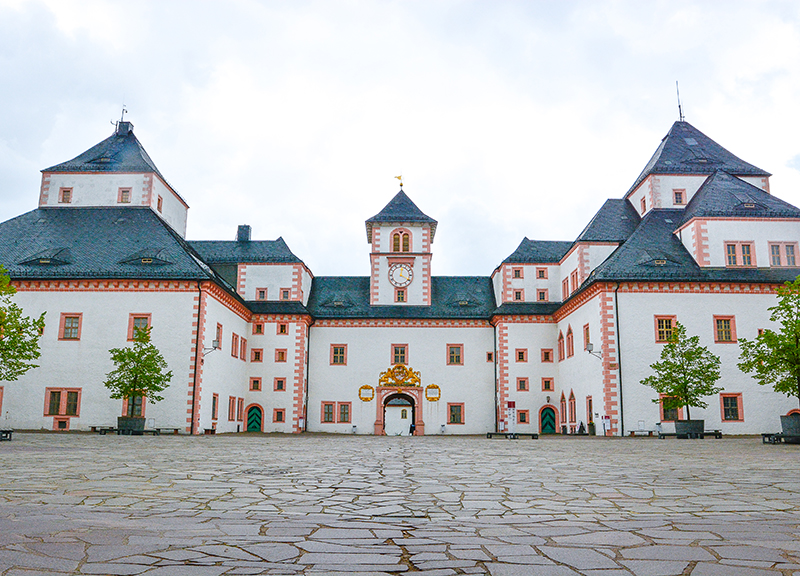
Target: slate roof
{"points": [[453, 297], [725, 195], [97, 242], [400, 209], [120, 152], [686, 150], [538, 252], [614, 222], [254, 251], [527, 308], [272, 307]]}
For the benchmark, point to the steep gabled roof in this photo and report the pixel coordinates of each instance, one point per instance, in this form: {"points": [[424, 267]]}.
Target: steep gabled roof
{"points": [[254, 251], [400, 209], [538, 252], [465, 297], [686, 150], [97, 242], [725, 195], [120, 152], [614, 222]]}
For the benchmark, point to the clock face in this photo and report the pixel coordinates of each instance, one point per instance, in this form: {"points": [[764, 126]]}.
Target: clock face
{"points": [[400, 275]]}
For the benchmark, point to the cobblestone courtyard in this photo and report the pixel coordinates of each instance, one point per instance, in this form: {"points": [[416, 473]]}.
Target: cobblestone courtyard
{"points": [[313, 504]]}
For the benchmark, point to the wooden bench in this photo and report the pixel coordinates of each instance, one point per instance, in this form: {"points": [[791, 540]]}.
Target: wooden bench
{"points": [[715, 433], [174, 431], [103, 430], [512, 435], [641, 432], [767, 438], [5, 434]]}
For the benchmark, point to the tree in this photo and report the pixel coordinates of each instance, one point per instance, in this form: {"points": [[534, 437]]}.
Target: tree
{"points": [[141, 371], [774, 357], [686, 373], [19, 334]]}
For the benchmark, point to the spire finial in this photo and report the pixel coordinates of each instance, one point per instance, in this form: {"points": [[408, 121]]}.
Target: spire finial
{"points": [[680, 111], [401, 180]]}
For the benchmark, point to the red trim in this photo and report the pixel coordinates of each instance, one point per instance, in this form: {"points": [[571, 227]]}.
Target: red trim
{"points": [[65, 196], [463, 414], [61, 326], [279, 416], [393, 355], [542, 276], [280, 355], [256, 354], [740, 406], [523, 385], [547, 355], [661, 410], [300, 346], [120, 191], [674, 320], [282, 329], [215, 407], [523, 417], [234, 345], [733, 339], [542, 295], [502, 372], [460, 355], [275, 384], [344, 355], [131, 318], [255, 384], [548, 385], [521, 355], [322, 413], [62, 407], [261, 294], [339, 419]]}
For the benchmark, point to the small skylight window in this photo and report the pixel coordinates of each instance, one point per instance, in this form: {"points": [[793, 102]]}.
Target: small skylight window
{"points": [[44, 260], [147, 260], [668, 221], [338, 303], [660, 262], [690, 141], [463, 302], [749, 205]]}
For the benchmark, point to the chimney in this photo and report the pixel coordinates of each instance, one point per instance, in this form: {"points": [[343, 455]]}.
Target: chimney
{"points": [[124, 128], [243, 233]]}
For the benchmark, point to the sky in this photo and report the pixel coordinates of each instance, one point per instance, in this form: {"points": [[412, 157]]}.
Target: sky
{"points": [[506, 119]]}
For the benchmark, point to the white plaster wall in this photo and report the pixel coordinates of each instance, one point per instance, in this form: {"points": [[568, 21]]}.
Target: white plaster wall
{"points": [[306, 279], [273, 277], [385, 239], [369, 354], [84, 363], [759, 232], [497, 284], [97, 189], [757, 181], [666, 183], [599, 253], [173, 211], [414, 291], [642, 191], [567, 266], [534, 337], [762, 406]]}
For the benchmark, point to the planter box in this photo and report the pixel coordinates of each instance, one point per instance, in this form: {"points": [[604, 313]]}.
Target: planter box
{"points": [[791, 428], [689, 428], [130, 425]]}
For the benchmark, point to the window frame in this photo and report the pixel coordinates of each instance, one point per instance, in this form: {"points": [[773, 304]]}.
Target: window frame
{"points": [[565, 288], [456, 359], [349, 407], [62, 326], [738, 253], [732, 319], [450, 406], [281, 355], [160, 204], [234, 345], [240, 409], [547, 356], [587, 339], [256, 354], [783, 256], [243, 349], [520, 355], [282, 329], [215, 407], [659, 317], [255, 384], [322, 415], [523, 416], [286, 294], [516, 272], [682, 192], [561, 348], [570, 342], [541, 273], [231, 408], [523, 384], [338, 355], [519, 295], [63, 400], [132, 317], [65, 195], [275, 384], [258, 293], [548, 380], [739, 406], [403, 349], [279, 415], [400, 295], [542, 295], [573, 281]]}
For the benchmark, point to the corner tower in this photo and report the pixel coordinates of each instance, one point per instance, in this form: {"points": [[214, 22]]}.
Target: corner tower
{"points": [[400, 260]]}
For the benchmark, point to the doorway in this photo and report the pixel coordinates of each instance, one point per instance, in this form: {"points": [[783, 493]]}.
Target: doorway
{"points": [[398, 415], [547, 419], [254, 417]]}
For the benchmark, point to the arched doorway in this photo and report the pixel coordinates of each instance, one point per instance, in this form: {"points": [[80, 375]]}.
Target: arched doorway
{"points": [[399, 412], [254, 418], [547, 420]]}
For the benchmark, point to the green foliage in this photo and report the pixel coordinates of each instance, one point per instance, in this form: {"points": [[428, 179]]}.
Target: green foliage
{"points": [[774, 357], [19, 334], [686, 373], [140, 370]]}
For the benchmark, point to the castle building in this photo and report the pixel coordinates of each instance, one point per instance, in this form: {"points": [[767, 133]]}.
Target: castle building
{"points": [[557, 337]]}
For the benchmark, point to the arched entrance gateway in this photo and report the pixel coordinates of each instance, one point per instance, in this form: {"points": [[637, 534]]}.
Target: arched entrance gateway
{"points": [[399, 390], [547, 420], [254, 418]]}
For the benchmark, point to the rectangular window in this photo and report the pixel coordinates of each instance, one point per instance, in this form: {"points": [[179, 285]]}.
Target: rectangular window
{"points": [[740, 254], [399, 295], [565, 289], [231, 408], [547, 385], [344, 412], [280, 355], [586, 339], [243, 349], [65, 196], [399, 353], [541, 295], [516, 272], [547, 354], [521, 354], [285, 294], [678, 197], [283, 328], [522, 384], [218, 338], [261, 293], [455, 354], [490, 356], [70, 328], [541, 273], [124, 196], [255, 384], [669, 414], [160, 204], [55, 403], [643, 204], [256, 355], [518, 296], [775, 254], [731, 405], [523, 417], [137, 322], [724, 329], [339, 354], [783, 254], [279, 415], [328, 412], [240, 410], [455, 413], [234, 345], [279, 385], [573, 279], [258, 328], [215, 406], [790, 254], [664, 327], [730, 251], [746, 259]]}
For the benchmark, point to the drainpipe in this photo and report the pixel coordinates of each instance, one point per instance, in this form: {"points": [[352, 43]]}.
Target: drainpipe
{"points": [[198, 349], [496, 390], [619, 363], [308, 363]]}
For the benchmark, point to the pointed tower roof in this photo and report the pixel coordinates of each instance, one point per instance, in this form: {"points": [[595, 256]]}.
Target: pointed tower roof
{"points": [[686, 150], [120, 152], [723, 195], [400, 209]]}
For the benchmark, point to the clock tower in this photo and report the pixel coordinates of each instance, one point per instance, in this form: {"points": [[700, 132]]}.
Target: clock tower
{"points": [[400, 236]]}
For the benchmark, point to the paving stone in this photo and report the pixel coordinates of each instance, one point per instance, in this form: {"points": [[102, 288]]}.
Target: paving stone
{"points": [[579, 558], [708, 569], [655, 567], [660, 552]]}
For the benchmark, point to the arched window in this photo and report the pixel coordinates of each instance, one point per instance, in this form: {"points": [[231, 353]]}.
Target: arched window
{"points": [[572, 412], [563, 409], [560, 346], [570, 343], [401, 241], [396, 242]]}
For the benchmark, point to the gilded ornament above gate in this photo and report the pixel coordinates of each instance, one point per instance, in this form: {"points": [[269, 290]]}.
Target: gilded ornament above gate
{"points": [[399, 375]]}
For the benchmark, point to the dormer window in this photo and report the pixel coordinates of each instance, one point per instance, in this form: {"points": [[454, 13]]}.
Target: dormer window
{"points": [[160, 204], [739, 254], [65, 196], [644, 205], [748, 205], [660, 262], [679, 197], [147, 260], [124, 196]]}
